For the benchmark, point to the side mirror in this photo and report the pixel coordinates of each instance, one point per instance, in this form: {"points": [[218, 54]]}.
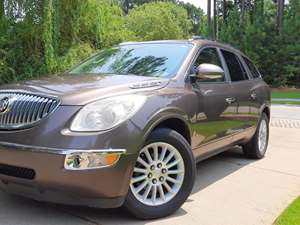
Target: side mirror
{"points": [[209, 72]]}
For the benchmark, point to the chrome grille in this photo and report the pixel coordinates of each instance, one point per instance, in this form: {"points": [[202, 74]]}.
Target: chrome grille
{"points": [[24, 109]]}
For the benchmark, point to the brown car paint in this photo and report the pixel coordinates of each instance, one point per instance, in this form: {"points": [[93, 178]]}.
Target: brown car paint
{"points": [[198, 112]]}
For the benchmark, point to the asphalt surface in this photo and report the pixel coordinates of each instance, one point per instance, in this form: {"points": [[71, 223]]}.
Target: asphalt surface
{"points": [[229, 189]]}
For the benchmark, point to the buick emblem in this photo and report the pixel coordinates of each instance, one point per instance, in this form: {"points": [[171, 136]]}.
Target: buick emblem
{"points": [[4, 104]]}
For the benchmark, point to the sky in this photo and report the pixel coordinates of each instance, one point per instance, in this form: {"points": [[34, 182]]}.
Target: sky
{"points": [[199, 3], [203, 3]]}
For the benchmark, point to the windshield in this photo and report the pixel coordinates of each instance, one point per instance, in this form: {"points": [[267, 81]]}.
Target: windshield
{"points": [[155, 60]]}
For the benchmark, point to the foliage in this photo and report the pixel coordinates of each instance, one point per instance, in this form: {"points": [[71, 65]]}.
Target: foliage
{"points": [[45, 37], [196, 15], [41, 37], [161, 20], [277, 56], [127, 5]]}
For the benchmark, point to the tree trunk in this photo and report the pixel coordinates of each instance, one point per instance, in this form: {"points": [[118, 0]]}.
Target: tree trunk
{"points": [[209, 17], [2, 12], [47, 34], [280, 12], [224, 10], [215, 20], [242, 15], [258, 13], [126, 6]]}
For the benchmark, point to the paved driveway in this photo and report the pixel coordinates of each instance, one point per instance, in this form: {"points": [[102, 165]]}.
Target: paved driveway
{"points": [[229, 189]]}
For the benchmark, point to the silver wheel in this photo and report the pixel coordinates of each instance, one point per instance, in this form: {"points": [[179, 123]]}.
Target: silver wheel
{"points": [[158, 174], [262, 136]]}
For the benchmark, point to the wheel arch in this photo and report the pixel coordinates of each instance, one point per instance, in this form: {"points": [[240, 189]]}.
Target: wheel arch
{"points": [[173, 120], [267, 111]]}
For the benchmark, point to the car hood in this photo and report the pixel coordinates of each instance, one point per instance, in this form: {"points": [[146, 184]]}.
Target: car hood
{"points": [[82, 89]]}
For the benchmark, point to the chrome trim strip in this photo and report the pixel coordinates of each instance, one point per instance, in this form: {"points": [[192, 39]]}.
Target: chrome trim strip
{"points": [[57, 151]]}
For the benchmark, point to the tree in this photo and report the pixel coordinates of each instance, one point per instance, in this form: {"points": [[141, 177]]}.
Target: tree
{"points": [[45, 37], [161, 20], [196, 15], [127, 5], [40, 37], [291, 42]]}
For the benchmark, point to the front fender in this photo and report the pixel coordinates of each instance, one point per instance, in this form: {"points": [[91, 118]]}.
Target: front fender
{"points": [[163, 115]]}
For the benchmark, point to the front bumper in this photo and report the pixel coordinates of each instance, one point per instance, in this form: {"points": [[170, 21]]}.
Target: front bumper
{"points": [[103, 187]]}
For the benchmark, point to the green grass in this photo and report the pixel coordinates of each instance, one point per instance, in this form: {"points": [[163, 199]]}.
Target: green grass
{"points": [[286, 94], [291, 216]]}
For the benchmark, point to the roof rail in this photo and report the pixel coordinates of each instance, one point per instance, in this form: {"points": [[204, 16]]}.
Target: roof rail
{"points": [[127, 43], [199, 38]]}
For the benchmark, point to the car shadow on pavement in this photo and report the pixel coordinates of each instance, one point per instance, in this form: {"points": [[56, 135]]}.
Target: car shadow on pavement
{"points": [[208, 172], [216, 168]]}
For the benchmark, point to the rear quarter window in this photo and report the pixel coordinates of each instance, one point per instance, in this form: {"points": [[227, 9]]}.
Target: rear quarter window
{"points": [[252, 68]]}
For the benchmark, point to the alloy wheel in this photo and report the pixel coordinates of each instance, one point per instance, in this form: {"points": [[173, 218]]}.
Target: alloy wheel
{"points": [[158, 174], [262, 136]]}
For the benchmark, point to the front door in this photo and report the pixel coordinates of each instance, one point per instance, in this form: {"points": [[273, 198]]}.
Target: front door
{"points": [[214, 125]]}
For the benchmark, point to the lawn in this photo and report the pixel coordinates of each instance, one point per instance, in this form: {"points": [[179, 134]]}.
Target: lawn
{"points": [[294, 94], [286, 97], [291, 216]]}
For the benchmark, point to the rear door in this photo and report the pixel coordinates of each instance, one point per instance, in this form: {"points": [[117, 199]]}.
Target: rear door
{"points": [[257, 88], [242, 86]]}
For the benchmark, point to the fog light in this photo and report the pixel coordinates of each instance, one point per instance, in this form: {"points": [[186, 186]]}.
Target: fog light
{"points": [[82, 160]]}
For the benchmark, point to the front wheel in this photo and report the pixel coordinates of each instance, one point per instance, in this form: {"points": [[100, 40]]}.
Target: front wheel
{"points": [[256, 148], [163, 176]]}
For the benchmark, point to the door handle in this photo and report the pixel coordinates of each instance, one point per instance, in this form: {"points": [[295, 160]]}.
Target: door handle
{"points": [[253, 95], [230, 100]]}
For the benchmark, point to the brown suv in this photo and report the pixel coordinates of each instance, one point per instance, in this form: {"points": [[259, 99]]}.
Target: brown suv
{"points": [[127, 126]]}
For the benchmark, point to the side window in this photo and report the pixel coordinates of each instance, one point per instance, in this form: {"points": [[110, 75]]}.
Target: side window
{"points": [[237, 72], [209, 56], [252, 68]]}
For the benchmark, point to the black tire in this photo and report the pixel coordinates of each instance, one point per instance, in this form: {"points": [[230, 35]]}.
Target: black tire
{"points": [[251, 149], [143, 211]]}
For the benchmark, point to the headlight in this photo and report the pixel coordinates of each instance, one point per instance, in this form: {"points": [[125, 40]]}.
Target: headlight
{"points": [[107, 113]]}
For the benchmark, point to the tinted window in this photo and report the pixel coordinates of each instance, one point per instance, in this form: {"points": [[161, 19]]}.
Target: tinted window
{"points": [[243, 68], [209, 56], [157, 60], [237, 72], [252, 68]]}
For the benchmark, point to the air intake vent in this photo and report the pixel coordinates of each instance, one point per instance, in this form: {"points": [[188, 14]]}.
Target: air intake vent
{"points": [[22, 110], [15, 171]]}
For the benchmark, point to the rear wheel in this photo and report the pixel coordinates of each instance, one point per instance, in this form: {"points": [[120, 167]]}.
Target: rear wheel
{"points": [[163, 176], [257, 146]]}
